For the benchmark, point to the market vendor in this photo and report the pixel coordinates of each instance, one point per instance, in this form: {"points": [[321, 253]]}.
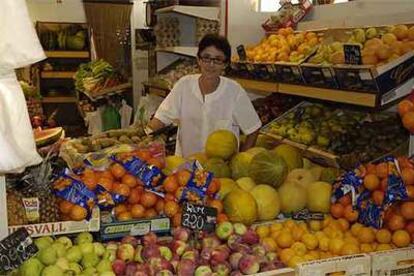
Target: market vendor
{"points": [[202, 103]]}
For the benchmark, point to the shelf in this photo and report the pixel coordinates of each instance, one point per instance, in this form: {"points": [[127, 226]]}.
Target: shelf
{"points": [[356, 98], [181, 50], [57, 75], [157, 90], [106, 92], [59, 100], [210, 13], [67, 54]]}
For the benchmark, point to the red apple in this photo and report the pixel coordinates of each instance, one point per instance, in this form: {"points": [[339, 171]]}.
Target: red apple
{"points": [[250, 237], [151, 251], [234, 259], [118, 266], [149, 239], [185, 267], [248, 264], [181, 233], [178, 247], [131, 240], [126, 252]]}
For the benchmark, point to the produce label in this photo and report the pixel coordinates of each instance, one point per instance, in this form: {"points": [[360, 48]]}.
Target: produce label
{"points": [[241, 52], [352, 54], [199, 217], [31, 206], [15, 249]]}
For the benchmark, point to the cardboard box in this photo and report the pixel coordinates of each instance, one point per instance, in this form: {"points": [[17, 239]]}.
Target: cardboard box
{"points": [[352, 265], [61, 227], [319, 75], [393, 262]]}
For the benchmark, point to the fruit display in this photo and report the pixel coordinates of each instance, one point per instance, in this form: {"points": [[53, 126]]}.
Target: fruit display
{"points": [[273, 106], [71, 37], [96, 75], [205, 26], [169, 78], [379, 45], [406, 112], [354, 136], [48, 136], [284, 46], [167, 32]]}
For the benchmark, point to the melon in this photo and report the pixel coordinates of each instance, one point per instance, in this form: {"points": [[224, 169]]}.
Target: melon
{"points": [[218, 167], [303, 177], [226, 186], [266, 142], [200, 157], [240, 206], [246, 183], [268, 168], [47, 136], [240, 165], [292, 196], [267, 200], [255, 150], [221, 144], [291, 155], [319, 197], [173, 162]]}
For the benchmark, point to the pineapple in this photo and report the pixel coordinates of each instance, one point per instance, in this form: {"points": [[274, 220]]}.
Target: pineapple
{"points": [[16, 214]]}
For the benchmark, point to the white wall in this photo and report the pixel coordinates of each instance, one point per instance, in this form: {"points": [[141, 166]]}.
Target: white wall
{"points": [[50, 10]]}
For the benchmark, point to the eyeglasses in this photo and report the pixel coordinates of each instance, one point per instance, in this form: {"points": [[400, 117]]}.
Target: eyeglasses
{"points": [[207, 60]]}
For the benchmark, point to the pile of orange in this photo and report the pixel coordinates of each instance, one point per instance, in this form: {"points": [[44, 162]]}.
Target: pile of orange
{"points": [[70, 211], [406, 111]]}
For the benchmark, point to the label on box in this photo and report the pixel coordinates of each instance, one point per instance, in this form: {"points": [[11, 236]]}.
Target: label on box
{"points": [[199, 217], [140, 229], [241, 52], [31, 206], [353, 54], [15, 249]]}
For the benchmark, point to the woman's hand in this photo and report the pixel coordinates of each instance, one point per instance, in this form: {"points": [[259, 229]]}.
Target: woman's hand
{"points": [[155, 124], [250, 141]]}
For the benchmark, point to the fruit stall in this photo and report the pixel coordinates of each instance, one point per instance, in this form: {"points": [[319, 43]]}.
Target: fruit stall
{"points": [[328, 188]]}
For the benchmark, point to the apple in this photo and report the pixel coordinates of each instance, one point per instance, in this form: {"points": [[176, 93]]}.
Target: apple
{"points": [[74, 254], [126, 252], [47, 256], [112, 245], [235, 259], [104, 265], [107, 273], [60, 249], [222, 269], [98, 248], [248, 264], [65, 241], [43, 242], [130, 269], [206, 255], [219, 255], [31, 267], [149, 239], [239, 228], [236, 273], [271, 256], [259, 250], [131, 240], [181, 233], [89, 260], [63, 263], [164, 273], [190, 255], [75, 267], [52, 270], [250, 237], [86, 247], [151, 251], [224, 230], [84, 237], [203, 270], [178, 247], [166, 252], [211, 242], [109, 255], [143, 269], [234, 241], [90, 271], [185, 267], [118, 266]]}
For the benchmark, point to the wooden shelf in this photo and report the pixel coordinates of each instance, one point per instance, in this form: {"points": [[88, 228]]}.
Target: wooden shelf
{"points": [[180, 50], [57, 75], [210, 13], [106, 92], [67, 54], [59, 100]]}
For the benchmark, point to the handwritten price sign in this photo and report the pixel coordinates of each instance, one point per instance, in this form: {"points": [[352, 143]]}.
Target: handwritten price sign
{"points": [[199, 217]]}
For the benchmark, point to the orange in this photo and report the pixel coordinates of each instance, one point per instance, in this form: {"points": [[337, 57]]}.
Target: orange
{"points": [[410, 192], [143, 154], [89, 181], [411, 33], [311, 241], [407, 175], [299, 248], [335, 246], [106, 174], [284, 240], [355, 228], [117, 170], [183, 177], [169, 196], [65, 207], [290, 224], [148, 199], [401, 238], [222, 217], [410, 227], [134, 196], [176, 220], [105, 182], [120, 208], [366, 235], [150, 213], [214, 186], [269, 244], [124, 216], [408, 120], [286, 255], [378, 197], [371, 182], [383, 236], [218, 204], [159, 206], [156, 162], [344, 224], [382, 170], [171, 208], [170, 184], [407, 210], [122, 189], [345, 200], [78, 213], [366, 248], [350, 214], [137, 211], [129, 180], [371, 168], [396, 222], [405, 106], [383, 247], [384, 184], [350, 249], [337, 210], [404, 162], [400, 31]]}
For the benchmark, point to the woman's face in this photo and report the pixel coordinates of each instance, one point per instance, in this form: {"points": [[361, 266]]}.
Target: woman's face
{"points": [[211, 62]]}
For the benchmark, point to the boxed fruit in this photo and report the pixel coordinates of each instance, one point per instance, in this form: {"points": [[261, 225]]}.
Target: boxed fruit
{"points": [[353, 265], [56, 36], [393, 262], [319, 75]]}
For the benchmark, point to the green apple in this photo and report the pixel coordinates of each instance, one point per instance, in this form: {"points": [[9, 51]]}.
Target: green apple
{"points": [[43, 242], [109, 255], [90, 271], [75, 267], [107, 273], [60, 249], [52, 270], [63, 263], [104, 265], [84, 237], [99, 249], [224, 230], [65, 241], [89, 260], [165, 252], [31, 267], [74, 254], [86, 247], [47, 256]]}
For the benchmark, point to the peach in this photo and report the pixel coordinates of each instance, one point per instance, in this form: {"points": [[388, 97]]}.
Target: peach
{"points": [[249, 264]]}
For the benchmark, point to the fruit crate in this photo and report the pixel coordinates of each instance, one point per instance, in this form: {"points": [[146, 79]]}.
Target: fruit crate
{"points": [[289, 72], [319, 75], [393, 262], [353, 265], [376, 80], [111, 229], [61, 227]]}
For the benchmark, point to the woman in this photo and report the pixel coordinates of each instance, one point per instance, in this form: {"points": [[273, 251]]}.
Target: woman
{"points": [[203, 103]]}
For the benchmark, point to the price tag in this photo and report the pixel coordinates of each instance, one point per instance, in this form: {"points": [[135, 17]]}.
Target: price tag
{"points": [[241, 52], [306, 215], [199, 217], [15, 249], [352, 54]]}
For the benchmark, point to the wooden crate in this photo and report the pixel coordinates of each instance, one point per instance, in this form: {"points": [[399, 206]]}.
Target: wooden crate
{"points": [[353, 265], [393, 262]]}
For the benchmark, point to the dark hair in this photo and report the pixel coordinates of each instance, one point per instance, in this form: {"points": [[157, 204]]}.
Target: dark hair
{"points": [[218, 41]]}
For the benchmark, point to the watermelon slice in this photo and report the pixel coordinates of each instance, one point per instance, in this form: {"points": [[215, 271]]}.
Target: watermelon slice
{"points": [[47, 136]]}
